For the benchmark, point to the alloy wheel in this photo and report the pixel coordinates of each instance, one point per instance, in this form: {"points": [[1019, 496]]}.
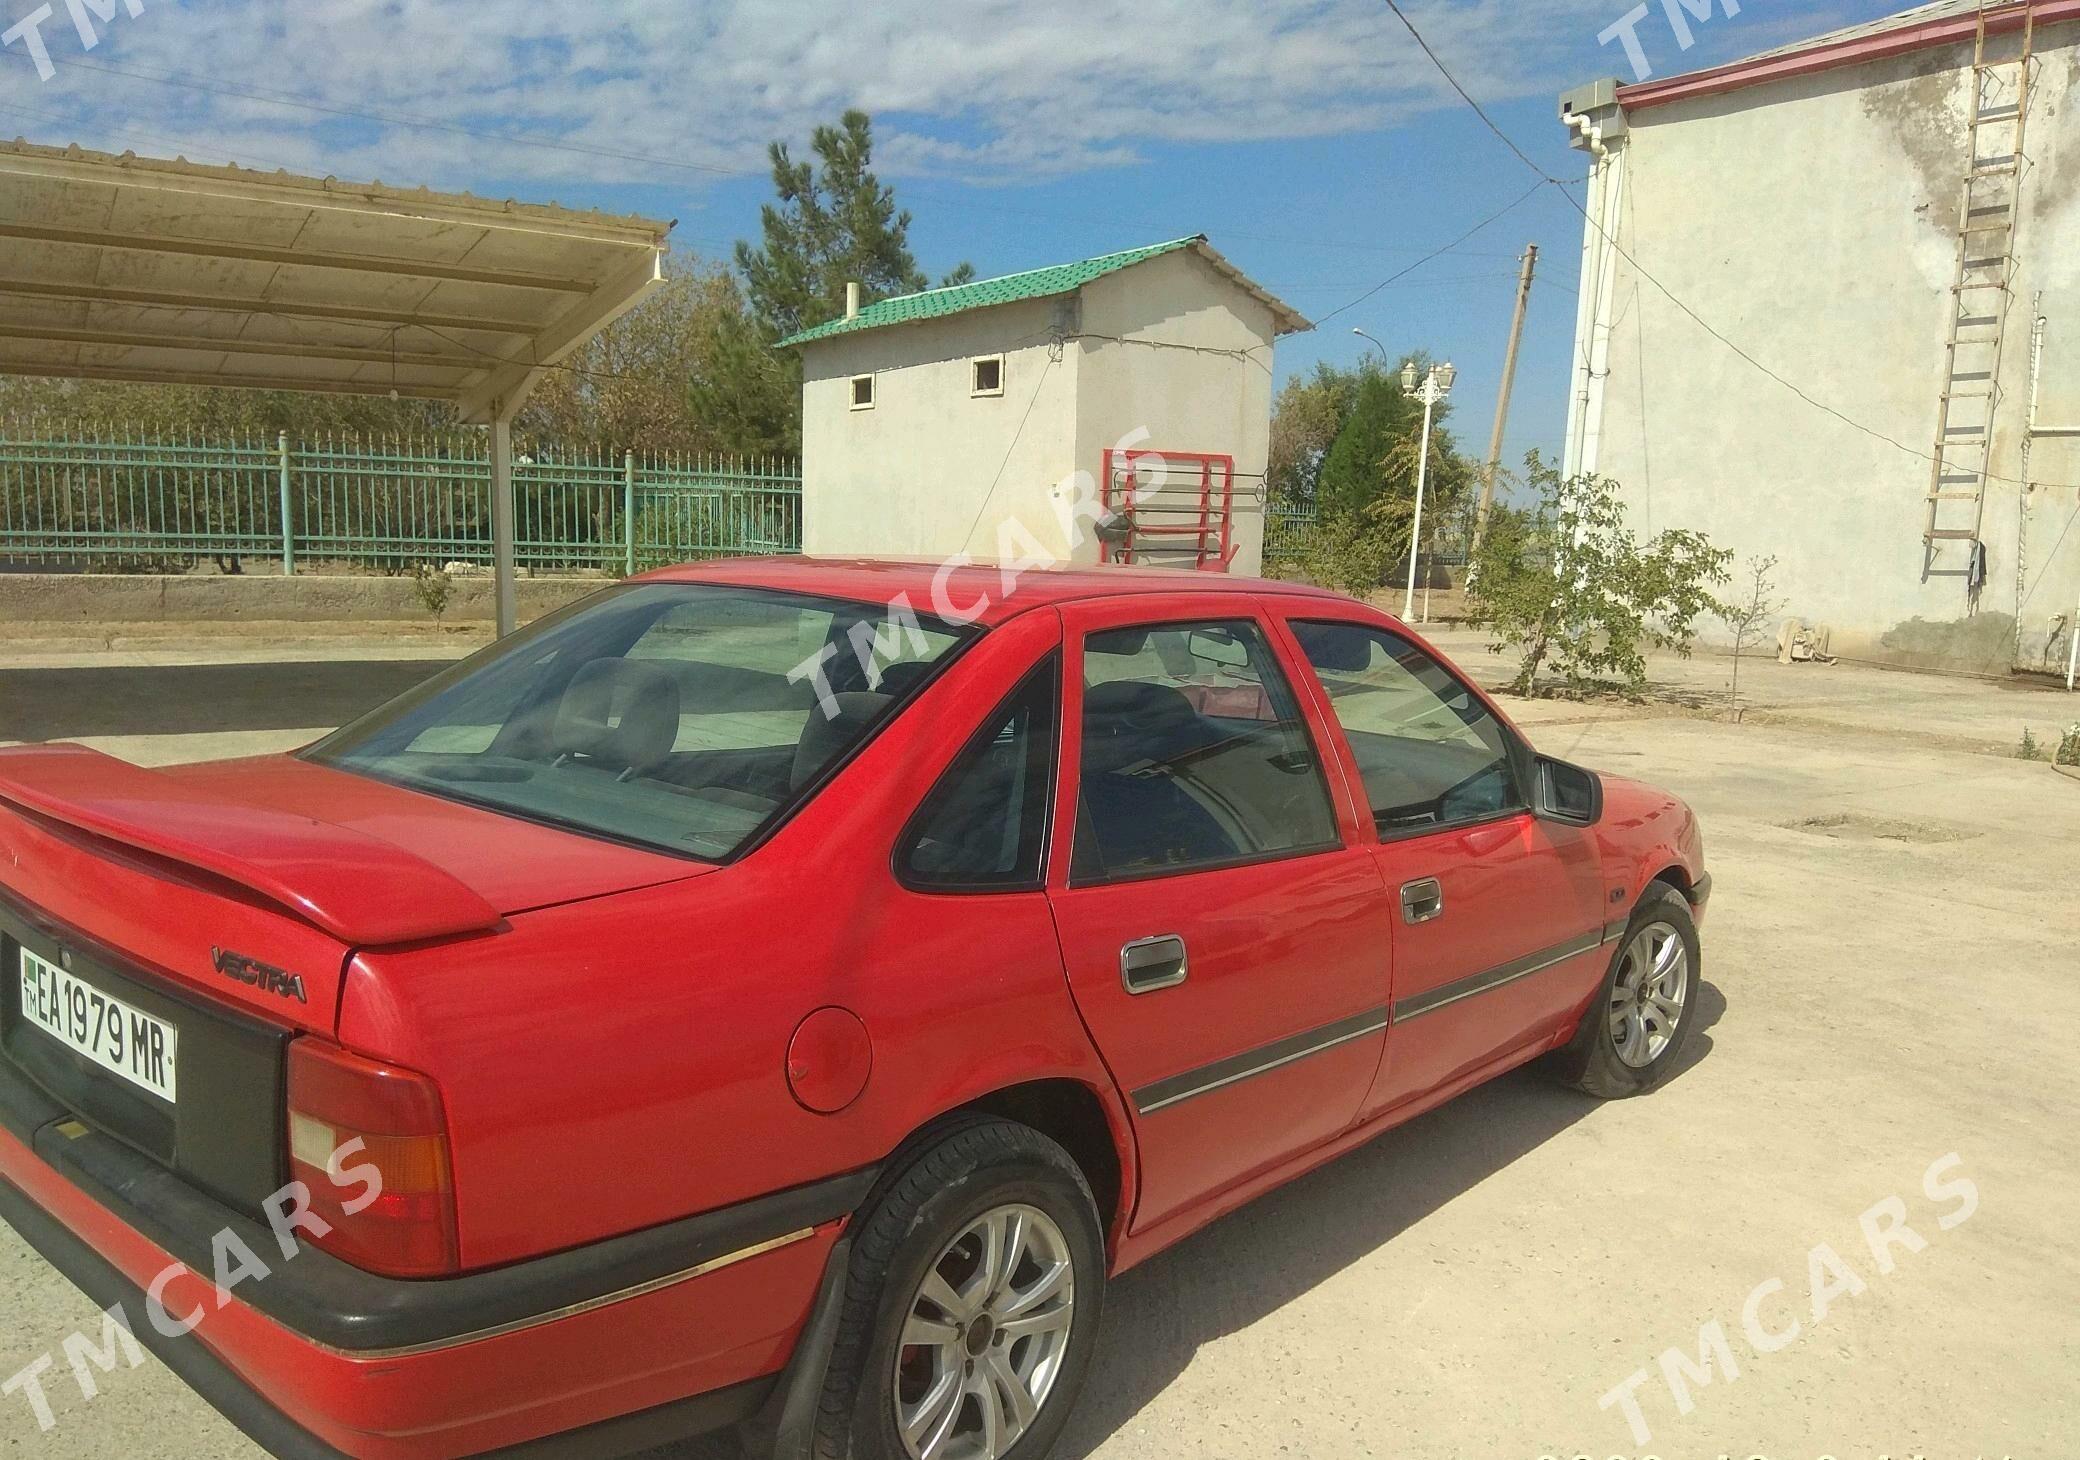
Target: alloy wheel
{"points": [[984, 1337], [1651, 994]]}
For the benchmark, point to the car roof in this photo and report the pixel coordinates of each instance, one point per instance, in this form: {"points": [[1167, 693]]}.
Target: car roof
{"points": [[929, 580]]}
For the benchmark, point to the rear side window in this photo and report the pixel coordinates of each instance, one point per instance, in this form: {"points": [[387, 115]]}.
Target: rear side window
{"points": [[1194, 755], [984, 826], [1430, 753]]}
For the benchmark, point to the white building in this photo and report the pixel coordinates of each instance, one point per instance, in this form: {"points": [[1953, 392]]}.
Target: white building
{"points": [[958, 420], [1883, 219]]}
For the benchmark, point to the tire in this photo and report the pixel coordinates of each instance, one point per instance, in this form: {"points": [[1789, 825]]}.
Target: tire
{"points": [[1622, 1046], [932, 1217]]}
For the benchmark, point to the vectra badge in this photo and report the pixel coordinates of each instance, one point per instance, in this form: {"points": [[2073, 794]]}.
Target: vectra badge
{"points": [[262, 976]]}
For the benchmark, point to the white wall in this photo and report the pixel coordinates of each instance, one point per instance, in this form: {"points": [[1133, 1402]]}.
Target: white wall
{"points": [[1171, 346], [931, 470], [1812, 221], [1195, 372]]}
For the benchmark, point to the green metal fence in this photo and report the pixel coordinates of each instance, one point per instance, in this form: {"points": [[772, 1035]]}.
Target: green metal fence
{"points": [[151, 502], [1287, 527]]}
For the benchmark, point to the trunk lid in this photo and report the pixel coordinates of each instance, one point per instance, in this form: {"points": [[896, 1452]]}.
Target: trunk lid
{"points": [[365, 863], [215, 909]]}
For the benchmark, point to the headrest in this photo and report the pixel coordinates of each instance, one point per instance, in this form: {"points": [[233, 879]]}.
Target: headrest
{"points": [[1335, 648], [1123, 722], [899, 679], [620, 713], [827, 735]]}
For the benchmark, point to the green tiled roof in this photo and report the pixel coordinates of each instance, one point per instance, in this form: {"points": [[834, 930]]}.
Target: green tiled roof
{"points": [[1032, 284]]}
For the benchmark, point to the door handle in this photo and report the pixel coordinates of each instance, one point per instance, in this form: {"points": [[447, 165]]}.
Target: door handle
{"points": [[1153, 964], [1422, 901]]}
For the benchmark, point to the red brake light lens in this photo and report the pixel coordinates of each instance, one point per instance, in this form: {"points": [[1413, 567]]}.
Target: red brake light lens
{"points": [[369, 1141]]}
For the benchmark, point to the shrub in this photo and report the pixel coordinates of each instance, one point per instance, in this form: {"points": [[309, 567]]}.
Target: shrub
{"points": [[434, 589], [1567, 586], [1353, 550]]}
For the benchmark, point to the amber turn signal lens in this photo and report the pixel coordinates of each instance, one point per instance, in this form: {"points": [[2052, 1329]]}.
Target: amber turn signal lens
{"points": [[369, 1143]]}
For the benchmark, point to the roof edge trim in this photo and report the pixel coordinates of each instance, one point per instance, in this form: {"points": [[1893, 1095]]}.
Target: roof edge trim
{"points": [[1824, 55]]}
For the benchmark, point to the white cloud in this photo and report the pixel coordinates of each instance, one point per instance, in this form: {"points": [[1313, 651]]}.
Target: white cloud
{"points": [[992, 90]]}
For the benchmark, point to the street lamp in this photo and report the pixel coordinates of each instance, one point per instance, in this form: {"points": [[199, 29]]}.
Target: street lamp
{"points": [[1431, 391]]}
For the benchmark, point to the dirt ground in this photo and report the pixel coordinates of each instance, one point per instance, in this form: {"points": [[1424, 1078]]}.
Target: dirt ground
{"points": [[1890, 988]]}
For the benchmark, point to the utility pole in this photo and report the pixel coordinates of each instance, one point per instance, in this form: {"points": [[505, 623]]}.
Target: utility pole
{"points": [[1509, 380]]}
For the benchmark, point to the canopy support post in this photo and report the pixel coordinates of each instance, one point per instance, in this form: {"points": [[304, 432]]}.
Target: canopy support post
{"points": [[503, 566]]}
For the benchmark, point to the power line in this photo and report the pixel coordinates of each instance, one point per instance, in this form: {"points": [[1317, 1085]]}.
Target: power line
{"points": [[1434, 254], [1489, 276], [1702, 323], [1478, 110], [122, 132], [998, 480]]}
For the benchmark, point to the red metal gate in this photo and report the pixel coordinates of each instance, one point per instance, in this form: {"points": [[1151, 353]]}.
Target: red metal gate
{"points": [[1176, 508]]}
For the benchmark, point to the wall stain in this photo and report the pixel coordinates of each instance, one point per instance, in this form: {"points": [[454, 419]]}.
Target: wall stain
{"points": [[1925, 113], [2057, 183]]}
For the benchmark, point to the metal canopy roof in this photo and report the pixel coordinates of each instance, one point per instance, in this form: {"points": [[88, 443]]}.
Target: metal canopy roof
{"points": [[131, 268]]}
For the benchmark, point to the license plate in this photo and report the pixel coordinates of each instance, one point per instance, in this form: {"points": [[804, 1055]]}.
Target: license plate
{"points": [[124, 1041]]}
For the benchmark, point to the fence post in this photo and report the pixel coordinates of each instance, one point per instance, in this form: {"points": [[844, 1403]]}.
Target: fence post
{"points": [[288, 517], [628, 507]]}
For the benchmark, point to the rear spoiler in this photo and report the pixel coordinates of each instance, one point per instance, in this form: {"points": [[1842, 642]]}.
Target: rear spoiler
{"points": [[359, 888]]}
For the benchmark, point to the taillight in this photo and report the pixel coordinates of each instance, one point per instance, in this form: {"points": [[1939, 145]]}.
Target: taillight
{"points": [[390, 1199]]}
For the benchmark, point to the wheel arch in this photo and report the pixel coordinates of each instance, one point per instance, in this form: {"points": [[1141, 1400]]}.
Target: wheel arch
{"points": [[1070, 1113], [1075, 1115], [1676, 875]]}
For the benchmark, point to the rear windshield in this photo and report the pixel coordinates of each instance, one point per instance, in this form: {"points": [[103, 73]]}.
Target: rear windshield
{"points": [[684, 717]]}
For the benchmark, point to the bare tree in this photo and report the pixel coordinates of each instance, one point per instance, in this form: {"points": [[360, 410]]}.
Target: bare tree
{"points": [[1749, 616]]}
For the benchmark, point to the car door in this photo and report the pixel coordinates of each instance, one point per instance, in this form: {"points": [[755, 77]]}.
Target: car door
{"points": [[1499, 915], [1221, 921]]}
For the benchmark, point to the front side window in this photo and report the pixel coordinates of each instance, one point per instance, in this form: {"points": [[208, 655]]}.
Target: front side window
{"points": [[1194, 755], [1430, 753], [685, 717], [984, 826]]}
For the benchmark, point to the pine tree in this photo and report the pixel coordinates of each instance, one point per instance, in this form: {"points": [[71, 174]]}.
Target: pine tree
{"points": [[830, 226]]}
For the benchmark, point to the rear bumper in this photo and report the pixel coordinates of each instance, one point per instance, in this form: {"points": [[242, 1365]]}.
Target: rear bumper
{"points": [[612, 1348], [267, 1426]]}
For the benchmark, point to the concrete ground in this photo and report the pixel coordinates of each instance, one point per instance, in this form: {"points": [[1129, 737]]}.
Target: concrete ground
{"points": [[1889, 983]]}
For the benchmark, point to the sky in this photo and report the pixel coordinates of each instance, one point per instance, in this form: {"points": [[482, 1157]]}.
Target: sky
{"points": [[1311, 140]]}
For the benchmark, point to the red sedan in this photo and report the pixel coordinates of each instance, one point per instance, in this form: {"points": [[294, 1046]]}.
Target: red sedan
{"points": [[782, 993]]}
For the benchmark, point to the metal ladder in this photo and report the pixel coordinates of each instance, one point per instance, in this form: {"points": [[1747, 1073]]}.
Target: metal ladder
{"points": [[1988, 217]]}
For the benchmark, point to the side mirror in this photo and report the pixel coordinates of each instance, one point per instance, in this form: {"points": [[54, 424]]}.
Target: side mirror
{"points": [[1567, 793]]}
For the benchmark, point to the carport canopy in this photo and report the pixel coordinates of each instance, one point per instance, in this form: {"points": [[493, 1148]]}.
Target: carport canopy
{"points": [[171, 272]]}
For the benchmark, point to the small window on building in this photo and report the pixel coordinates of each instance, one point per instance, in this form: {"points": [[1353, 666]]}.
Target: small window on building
{"points": [[863, 392], [989, 376]]}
